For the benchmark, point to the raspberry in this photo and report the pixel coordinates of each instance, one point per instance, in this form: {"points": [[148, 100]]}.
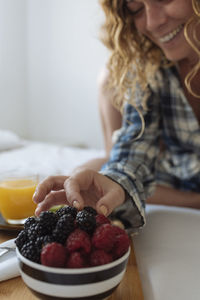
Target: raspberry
{"points": [[118, 230], [100, 257], [76, 260], [53, 255], [121, 245], [104, 237], [78, 240], [101, 219]]}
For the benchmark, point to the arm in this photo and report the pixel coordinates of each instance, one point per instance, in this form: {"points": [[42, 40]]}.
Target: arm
{"points": [[111, 120], [51, 191], [132, 160], [129, 169], [168, 196]]}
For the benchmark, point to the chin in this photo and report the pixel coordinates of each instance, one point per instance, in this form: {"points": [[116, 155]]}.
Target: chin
{"points": [[176, 54], [174, 57]]}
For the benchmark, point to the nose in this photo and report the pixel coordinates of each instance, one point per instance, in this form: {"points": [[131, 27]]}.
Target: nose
{"points": [[155, 16]]}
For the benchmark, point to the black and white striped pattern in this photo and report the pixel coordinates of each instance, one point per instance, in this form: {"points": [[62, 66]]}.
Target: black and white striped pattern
{"points": [[84, 284]]}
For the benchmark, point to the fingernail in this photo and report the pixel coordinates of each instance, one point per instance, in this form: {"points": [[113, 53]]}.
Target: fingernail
{"points": [[37, 211], [118, 223], [76, 204], [103, 209], [34, 196]]}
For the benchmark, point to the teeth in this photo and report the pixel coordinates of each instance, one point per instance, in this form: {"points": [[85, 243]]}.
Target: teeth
{"points": [[171, 35]]}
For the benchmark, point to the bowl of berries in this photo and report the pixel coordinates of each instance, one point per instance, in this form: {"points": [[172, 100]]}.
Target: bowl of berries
{"points": [[70, 254]]}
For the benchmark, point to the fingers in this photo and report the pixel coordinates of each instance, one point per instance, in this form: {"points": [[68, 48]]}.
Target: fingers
{"points": [[91, 188], [53, 198], [45, 187], [72, 190], [83, 188], [111, 199]]}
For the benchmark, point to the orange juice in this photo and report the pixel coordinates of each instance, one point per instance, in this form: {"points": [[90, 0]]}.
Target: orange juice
{"points": [[16, 202]]}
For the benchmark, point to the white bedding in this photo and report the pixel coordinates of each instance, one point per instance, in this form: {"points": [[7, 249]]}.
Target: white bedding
{"points": [[9, 140], [44, 159]]}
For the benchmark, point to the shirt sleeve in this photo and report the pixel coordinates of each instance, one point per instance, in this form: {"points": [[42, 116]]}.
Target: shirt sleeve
{"points": [[132, 160]]}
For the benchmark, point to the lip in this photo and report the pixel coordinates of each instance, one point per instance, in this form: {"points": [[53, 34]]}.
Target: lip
{"points": [[168, 37]]}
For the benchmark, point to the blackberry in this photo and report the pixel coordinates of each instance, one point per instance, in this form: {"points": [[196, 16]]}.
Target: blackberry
{"points": [[41, 241], [48, 220], [86, 221], [64, 227], [67, 210], [30, 251], [30, 221], [35, 231], [21, 239], [90, 210]]}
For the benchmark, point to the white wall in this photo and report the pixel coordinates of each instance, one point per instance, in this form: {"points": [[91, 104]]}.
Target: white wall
{"points": [[59, 56], [13, 77]]}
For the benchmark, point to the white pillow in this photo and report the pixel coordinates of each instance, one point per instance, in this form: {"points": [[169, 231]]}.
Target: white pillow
{"points": [[9, 140]]}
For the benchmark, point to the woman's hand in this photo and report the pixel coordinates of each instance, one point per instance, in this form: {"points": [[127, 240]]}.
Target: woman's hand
{"points": [[50, 192], [83, 188]]}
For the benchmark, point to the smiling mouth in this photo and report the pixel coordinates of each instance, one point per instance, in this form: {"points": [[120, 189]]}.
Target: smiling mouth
{"points": [[168, 37]]}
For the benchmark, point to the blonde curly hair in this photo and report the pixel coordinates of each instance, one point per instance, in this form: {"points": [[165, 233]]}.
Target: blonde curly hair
{"points": [[127, 47]]}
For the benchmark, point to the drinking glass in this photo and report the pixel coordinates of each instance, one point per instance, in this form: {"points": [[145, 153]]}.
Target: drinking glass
{"points": [[16, 192]]}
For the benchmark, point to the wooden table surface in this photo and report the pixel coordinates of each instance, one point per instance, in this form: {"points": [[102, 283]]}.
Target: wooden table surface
{"points": [[129, 289]]}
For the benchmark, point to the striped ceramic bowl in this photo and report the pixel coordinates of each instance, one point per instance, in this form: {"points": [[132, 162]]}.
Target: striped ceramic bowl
{"points": [[92, 283]]}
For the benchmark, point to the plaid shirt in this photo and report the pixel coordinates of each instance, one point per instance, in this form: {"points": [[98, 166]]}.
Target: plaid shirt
{"points": [[139, 164]]}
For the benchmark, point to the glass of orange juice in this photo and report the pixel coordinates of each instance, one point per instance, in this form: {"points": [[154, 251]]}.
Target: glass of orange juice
{"points": [[16, 194]]}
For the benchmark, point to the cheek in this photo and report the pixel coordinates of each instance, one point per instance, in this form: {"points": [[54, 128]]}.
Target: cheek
{"points": [[182, 10], [140, 25]]}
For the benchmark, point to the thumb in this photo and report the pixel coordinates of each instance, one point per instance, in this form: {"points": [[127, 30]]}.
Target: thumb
{"points": [[110, 200]]}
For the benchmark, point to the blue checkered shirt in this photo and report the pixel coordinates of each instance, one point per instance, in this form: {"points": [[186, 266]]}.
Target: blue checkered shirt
{"points": [[139, 164]]}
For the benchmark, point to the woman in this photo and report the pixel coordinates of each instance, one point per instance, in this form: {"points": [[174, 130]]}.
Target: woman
{"points": [[154, 62]]}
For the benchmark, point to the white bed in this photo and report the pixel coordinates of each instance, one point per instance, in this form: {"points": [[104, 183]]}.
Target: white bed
{"points": [[42, 158]]}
